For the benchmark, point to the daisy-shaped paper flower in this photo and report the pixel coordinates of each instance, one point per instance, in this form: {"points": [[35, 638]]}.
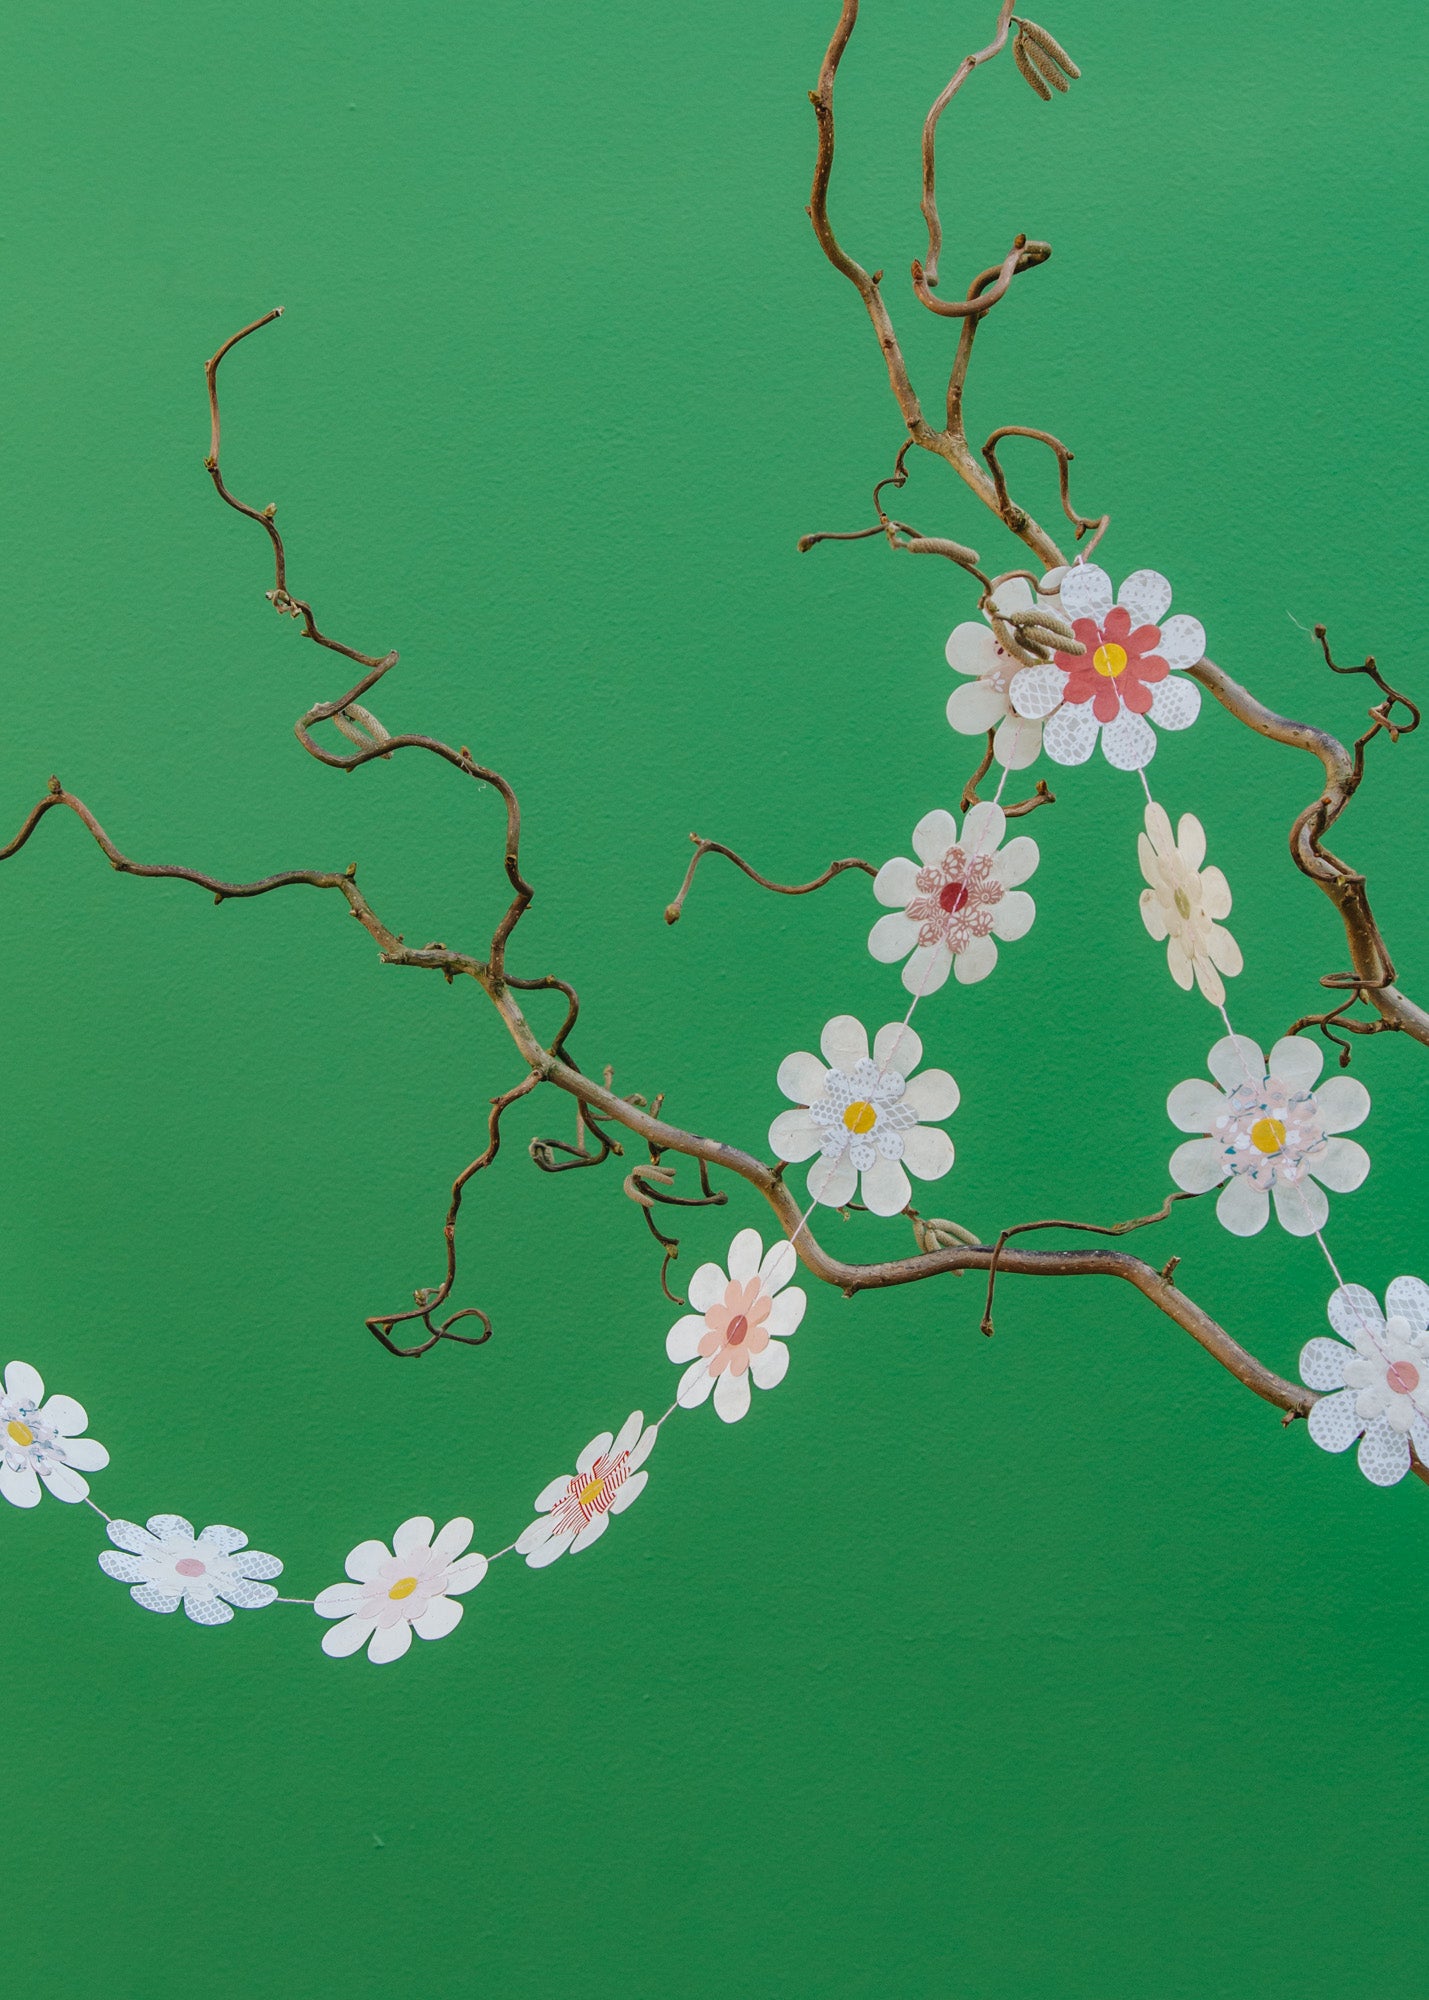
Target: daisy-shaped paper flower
{"points": [[575, 1509], [41, 1440], [1123, 677], [169, 1565], [950, 905], [738, 1328], [411, 1587], [1269, 1135], [1183, 902], [1382, 1378], [864, 1116], [983, 701]]}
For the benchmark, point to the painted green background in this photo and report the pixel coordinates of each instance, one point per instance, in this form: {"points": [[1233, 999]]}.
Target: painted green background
{"points": [[960, 1668]]}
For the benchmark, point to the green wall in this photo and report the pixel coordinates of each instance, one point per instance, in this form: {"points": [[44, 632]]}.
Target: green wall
{"points": [[1047, 1664]]}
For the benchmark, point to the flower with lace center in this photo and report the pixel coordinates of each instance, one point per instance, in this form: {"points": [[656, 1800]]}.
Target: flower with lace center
{"points": [[1269, 1135], [1124, 681], [864, 1116], [1183, 902], [41, 1440], [950, 906], [983, 701], [209, 1573], [411, 1587], [1382, 1378], [735, 1335], [575, 1509]]}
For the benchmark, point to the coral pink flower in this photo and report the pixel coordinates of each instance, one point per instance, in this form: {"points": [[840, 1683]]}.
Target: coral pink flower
{"points": [[1120, 665], [735, 1335]]}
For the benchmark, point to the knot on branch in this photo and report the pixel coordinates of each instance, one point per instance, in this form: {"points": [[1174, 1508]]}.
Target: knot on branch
{"points": [[382, 1328]]}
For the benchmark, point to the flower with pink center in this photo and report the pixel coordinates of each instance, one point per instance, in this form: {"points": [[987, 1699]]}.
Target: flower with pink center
{"points": [[575, 1509], [411, 1587], [983, 701], [167, 1565], [1124, 681], [736, 1333], [950, 906], [1381, 1376]]}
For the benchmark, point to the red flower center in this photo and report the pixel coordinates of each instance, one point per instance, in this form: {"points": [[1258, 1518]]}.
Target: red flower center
{"points": [[1402, 1377], [739, 1327], [953, 896]]}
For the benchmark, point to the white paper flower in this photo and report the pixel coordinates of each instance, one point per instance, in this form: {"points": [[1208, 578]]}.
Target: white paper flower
{"points": [[41, 1440], [411, 1587], [1269, 1135], [737, 1330], [1382, 1378], [209, 1573], [575, 1509], [1123, 682], [1183, 902], [863, 1117], [950, 904], [982, 703]]}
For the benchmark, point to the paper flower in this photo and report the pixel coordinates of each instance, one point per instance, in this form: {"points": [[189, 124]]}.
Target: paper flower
{"points": [[1382, 1378], [1123, 677], [863, 1117], [41, 1440], [983, 703], [1183, 902], [738, 1328], [948, 911], [1268, 1135], [411, 1587], [207, 1574], [575, 1509]]}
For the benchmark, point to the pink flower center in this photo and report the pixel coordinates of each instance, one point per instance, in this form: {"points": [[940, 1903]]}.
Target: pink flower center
{"points": [[736, 1330], [189, 1566], [1402, 1377], [953, 897]]}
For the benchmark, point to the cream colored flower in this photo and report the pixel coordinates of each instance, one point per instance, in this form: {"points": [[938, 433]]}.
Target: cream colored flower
{"points": [[1183, 901]]}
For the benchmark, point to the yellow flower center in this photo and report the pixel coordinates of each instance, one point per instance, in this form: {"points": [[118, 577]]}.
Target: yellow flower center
{"points": [[590, 1492], [1109, 661], [403, 1587], [21, 1433], [1267, 1135], [860, 1116], [1183, 903]]}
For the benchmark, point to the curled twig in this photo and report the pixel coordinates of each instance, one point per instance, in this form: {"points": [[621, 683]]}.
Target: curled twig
{"points": [[704, 847], [1090, 1228], [1081, 522]]}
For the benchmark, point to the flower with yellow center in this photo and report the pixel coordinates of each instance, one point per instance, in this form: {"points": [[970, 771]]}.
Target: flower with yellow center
{"points": [[411, 1587], [1270, 1133], [1182, 903], [863, 1115], [575, 1509], [41, 1442]]}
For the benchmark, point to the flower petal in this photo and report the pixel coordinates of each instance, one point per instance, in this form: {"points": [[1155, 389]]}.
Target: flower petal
{"points": [[1322, 1362], [1071, 734], [1195, 1105], [682, 1342], [1198, 1165], [1017, 743], [1215, 893], [1383, 1453], [895, 884], [1086, 592], [1234, 1060], [85, 1454], [744, 1255], [1243, 1209], [802, 1076], [1128, 742], [1012, 917], [227, 1540], [971, 649], [465, 1574], [24, 1383], [833, 1180], [977, 961], [1342, 1166], [630, 1430], [441, 1616], [896, 1047], [694, 1385], [1153, 915], [927, 969], [1182, 642], [388, 1643], [246, 1592], [1017, 861], [125, 1568], [629, 1492], [592, 1531], [984, 828], [1297, 1061], [255, 1565], [708, 1281], [19, 1485], [786, 1313], [129, 1535], [885, 1186], [1209, 980], [1353, 1311], [794, 1136], [64, 1483], [1037, 692], [170, 1528], [1301, 1207], [366, 1559], [781, 1260], [844, 1043], [1145, 594], [1223, 952], [1343, 1104], [1016, 594], [1334, 1422], [934, 834], [893, 937], [1175, 702], [927, 1152], [150, 1599], [599, 1447], [1408, 1298], [769, 1366], [976, 707], [732, 1395], [207, 1610], [340, 1640], [453, 1539], [933, 1094], [65, 1415], [1180, 965], [414, 1536], [340, 1600]]}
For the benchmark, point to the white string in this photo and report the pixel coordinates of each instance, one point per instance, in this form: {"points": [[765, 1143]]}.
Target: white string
{"points": [[97, 1508]]}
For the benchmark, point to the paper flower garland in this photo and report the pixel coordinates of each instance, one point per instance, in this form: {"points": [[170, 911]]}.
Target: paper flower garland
{"points": [[1182, 903], [738, 1328], [1268, 1135], [411, 1587], [1382, 1378], [577, 1507], [1122, 678], [947, 912], [41, 1440], [208, 1574], [984, 702], [862, 1117]]}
